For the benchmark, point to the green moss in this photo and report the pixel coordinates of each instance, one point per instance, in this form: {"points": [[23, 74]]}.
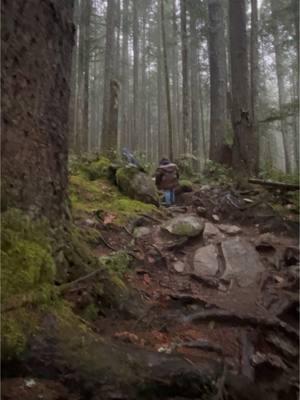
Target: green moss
{"points": [[90, 313], [186, 185], [117, 262], [184, 229], [97, 169], [28, 272], [90, 196]]}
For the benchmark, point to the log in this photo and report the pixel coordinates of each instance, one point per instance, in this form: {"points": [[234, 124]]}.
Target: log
{"points": [[275, 185]]}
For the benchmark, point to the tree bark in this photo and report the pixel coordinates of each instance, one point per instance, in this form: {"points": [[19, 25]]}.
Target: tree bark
{"points": [[282, 92], [185, 76], [34, 104], [218, 80], [244, 147], [124, 139], [108, 71], [194, 87], [136, 56], [167, 82], [254, 77]]}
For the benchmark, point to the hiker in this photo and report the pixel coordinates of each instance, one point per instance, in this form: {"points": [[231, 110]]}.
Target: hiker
{"points": [[166, 179]]}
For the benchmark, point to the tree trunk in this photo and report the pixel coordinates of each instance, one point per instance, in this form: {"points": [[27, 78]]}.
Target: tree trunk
{"points": [[167, 82], [194, 87], [282, 92], [113, 115], [254, 73], [124, 139], [185, 76], [218, 80], [108, 71], [244, 146], [34, 102], [86, 77], [136, 56]]}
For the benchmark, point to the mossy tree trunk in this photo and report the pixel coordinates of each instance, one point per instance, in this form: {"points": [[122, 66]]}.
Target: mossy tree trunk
{"points": [[37, 40]]}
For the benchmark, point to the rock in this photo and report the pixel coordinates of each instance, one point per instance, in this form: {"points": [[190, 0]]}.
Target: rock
{"points": [[205, 188], [141, 231], [215, 218], [185, 186], [184, 225], [283, 345], [270, 360], [230, 229], [242, 261], [210, 231], [205, 261], [201, 211], [137, 185], [291, 256], [179, 266]]}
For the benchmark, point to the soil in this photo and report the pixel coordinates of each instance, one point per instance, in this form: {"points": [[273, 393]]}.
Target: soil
{"points": [[171, 297]]}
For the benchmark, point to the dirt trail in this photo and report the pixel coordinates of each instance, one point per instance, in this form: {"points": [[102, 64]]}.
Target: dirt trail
{"points": [[176, 296], [229, 294]]}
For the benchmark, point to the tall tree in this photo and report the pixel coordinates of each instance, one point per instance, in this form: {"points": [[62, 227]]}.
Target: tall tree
{"points": [[280, 72], [124, 139], [34, 105], [185, 76], [244, 147], [108, 75], [167, 81], [136, 57], [254, 70], [218, 80], [194, 81]]}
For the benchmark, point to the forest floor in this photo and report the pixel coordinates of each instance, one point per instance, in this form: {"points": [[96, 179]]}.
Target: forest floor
{"points": [[228, 294]]}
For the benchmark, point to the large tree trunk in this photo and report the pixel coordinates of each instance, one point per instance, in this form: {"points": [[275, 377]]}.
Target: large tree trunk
{"points": [[244, 146], [282, 92], [254, 73], [124, 139], [136, 56], [185, 77], [108, 71], [194, 87], [167, 82], [218, 79], [35, 101], [86, 77]]}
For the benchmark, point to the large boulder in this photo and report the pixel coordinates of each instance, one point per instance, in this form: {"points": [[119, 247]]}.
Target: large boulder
{"points": [[137, 185], [184, 225], [242, 261], [205, 261]]}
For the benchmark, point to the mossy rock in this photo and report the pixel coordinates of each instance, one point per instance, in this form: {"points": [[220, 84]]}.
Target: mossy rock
{"points": [[185, 186], [90, 196], [97, 169], [184, 225], [28, 272], [137, 185]]}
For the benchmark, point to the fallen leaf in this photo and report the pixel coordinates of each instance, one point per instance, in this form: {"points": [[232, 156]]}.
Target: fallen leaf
{"points": [[109, 218]]}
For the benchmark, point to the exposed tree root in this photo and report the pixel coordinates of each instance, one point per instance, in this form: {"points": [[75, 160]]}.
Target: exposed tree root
{"points": [[227, 316]]}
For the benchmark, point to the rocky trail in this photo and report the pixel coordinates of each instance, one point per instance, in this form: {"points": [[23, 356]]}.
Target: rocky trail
{"points": [[215, 283]]}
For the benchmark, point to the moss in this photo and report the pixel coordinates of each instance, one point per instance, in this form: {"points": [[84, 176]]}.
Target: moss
{"points": [[137, 185], [90, 313], [117, 262], [184, 229], [90, 196], [28, 272], [97, 169]]}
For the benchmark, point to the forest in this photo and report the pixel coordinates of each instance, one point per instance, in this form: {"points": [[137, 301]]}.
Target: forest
{"points": [[150, 199], [187, 73]]}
